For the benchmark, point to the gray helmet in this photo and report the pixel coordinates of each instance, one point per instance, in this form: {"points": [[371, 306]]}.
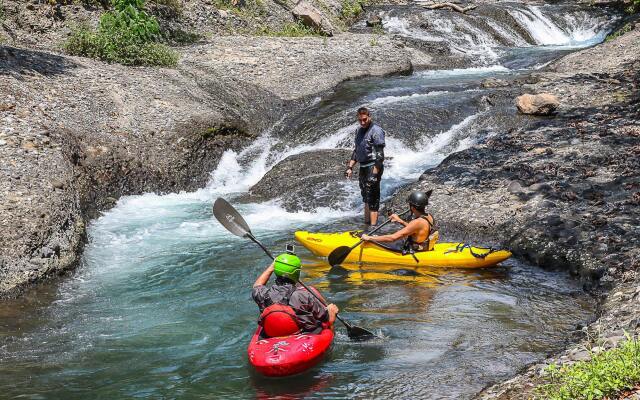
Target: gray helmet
{"points": [[419, 199]]}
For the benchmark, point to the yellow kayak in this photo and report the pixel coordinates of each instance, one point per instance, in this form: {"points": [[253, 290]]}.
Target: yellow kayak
{"points": [[455, 255]]}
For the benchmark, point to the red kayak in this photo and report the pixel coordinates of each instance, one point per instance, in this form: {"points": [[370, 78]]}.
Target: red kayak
{"points": [[288, 355]]}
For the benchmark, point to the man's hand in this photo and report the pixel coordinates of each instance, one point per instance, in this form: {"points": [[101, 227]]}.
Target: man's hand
{"points": [[366, 237], [348, 173], [395, 218], [333, 310]]}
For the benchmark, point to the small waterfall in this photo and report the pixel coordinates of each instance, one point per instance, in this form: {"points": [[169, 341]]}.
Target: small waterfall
{"points": [[578, 28], [483, 35]]}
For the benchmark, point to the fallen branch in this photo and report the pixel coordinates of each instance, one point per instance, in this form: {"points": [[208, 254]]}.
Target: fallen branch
{"points": [[452, 6]]}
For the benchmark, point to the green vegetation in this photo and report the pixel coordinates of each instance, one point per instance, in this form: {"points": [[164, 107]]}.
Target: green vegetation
{"points": [[126, 35], [634, 7], [294, 29], [378, 30], [606, 374], [351, 9], [628, 27]]}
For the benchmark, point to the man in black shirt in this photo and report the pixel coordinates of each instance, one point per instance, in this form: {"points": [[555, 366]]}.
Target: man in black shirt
{"points": [[369, 152]]}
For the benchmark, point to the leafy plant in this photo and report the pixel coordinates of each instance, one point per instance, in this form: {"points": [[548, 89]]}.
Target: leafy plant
{"points": [[634, 7], [628, 27], [351, 9], [127, 35], [378, 30], [606, 374], [294, 29]]}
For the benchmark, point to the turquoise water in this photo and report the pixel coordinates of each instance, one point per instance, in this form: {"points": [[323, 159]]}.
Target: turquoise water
{"points": [[161, 308]]}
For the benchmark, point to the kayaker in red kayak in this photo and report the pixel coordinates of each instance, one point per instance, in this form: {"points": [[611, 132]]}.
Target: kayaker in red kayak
{"points": [[286, 307], [416, 233]]}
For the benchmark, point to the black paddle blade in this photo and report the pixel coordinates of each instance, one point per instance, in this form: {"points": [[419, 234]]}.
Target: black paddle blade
{"points": [[230, 218], [360, 334], [338, 255]]}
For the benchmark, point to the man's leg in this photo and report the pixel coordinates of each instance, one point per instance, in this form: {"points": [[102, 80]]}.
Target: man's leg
{"points": [[367, 214], [374, 199], [362, 182], [373, 217]]}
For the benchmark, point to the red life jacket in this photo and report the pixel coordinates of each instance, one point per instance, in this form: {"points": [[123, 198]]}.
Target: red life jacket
{"points": [[279, 320]]}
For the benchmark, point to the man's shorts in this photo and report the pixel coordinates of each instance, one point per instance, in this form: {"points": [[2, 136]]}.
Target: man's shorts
{"points": [[370, 190]]}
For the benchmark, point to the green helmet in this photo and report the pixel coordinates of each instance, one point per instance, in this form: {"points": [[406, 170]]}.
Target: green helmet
{"points": [[288, 266]]}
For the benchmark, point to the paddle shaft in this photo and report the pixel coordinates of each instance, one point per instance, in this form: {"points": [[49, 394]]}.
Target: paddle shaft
{"points": [[376, 230], [256, 241], [339, 254]]}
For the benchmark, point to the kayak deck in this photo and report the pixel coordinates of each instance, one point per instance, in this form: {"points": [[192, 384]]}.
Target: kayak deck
{"points": [[454, 255], [288, 355]]}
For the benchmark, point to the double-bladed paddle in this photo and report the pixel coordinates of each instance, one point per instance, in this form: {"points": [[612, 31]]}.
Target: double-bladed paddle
{"points": [[339, 254], [234, 223]]}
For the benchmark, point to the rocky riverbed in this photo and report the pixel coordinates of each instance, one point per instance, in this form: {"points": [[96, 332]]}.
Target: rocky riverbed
{"points": [[561, 191], [78, 134]]}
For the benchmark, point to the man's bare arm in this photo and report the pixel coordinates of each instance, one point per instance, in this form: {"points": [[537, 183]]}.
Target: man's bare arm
{"points": [[264, 277], [411, 228]]}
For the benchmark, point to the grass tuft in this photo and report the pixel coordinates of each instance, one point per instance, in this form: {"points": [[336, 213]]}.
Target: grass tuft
{"points": [[294, 29], [606, 374]]}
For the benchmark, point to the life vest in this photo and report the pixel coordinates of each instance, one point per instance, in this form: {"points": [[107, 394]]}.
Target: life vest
{"points": [[279, 320], [427, 245]]}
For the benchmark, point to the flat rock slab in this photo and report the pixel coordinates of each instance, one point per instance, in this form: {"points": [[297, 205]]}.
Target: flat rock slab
{"points": [[292, 68]]}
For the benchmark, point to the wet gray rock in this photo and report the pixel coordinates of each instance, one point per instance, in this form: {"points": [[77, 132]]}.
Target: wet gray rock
{"points": [[578, 219], [294, 179]]}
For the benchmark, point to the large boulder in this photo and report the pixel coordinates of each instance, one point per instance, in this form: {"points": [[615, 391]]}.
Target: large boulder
{"points": [[313, 18], [308, 181], [537, 104]]}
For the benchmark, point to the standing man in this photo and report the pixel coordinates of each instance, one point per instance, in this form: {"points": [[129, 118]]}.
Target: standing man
{"points": [[369, 152]]}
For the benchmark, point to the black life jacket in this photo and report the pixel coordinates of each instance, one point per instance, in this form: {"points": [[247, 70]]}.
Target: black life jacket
{"points": [[411, 246]]}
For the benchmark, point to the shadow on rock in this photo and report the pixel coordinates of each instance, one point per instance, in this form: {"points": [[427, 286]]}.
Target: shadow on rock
{"points": [[21, 62]]}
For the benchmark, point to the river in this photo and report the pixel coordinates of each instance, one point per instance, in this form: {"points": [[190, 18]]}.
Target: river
{"points": [[161, 308]]}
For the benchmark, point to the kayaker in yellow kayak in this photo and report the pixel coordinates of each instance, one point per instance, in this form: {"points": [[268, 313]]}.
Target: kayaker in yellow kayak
{"points": [[286, 307], [417, 234]]}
